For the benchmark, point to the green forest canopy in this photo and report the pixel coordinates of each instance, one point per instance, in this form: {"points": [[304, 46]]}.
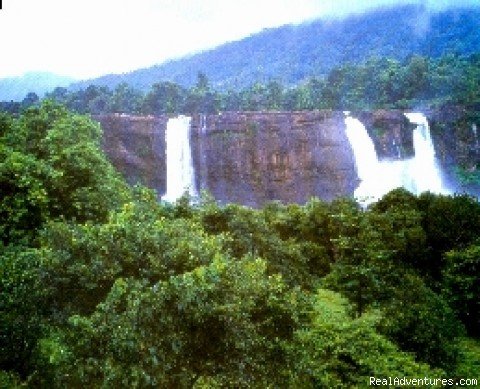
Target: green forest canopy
{"points": [[379, 83], [103, 286]]}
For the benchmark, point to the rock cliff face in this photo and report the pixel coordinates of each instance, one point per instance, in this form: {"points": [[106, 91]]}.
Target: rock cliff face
{"points": [[390, 131], [255, 157], [248, 157], [136, 147], [456, 134], [454, 131]]}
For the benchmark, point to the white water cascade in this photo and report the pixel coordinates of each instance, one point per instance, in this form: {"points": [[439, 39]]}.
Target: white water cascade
{"points": [[366, 161], [417, 174], [425, 170], [475, 135], [180, 172]]}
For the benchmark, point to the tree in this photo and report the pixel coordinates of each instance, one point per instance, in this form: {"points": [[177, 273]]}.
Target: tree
{"points": [[86, 259], [336, 351], [23, 306], [415, 78], [461, 285], [274, 95], [53, 167], [202, 84], [363, 264], [24, 203], [450, 222], [163, 98], [226, 322], [255, 98], [419, 320], [398, 220], [249, 233], [93, 99], [30, 99], [59, 94], [125, 99]]}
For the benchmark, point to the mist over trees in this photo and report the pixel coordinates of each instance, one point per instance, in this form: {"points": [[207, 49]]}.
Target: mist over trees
{"points": [[294, 53]]}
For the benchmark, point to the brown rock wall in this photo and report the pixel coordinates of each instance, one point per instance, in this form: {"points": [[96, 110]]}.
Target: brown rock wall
{"points": [[136, 147], [255, 157], [455, 140], [390, 131]]}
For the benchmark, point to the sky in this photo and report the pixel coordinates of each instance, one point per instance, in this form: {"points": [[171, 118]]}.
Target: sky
{"points": [[88, 38]]}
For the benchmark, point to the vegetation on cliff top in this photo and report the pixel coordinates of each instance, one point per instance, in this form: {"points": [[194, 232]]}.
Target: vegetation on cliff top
{"points": [[102, 286], [378, 83]]}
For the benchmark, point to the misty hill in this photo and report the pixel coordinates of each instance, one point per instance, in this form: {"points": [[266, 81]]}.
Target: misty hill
{"points": [[291, 54], [16, 88]]}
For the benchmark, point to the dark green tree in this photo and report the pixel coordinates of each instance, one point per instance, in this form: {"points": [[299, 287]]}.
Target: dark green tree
{"points": [[461, 285], [338, 351]]}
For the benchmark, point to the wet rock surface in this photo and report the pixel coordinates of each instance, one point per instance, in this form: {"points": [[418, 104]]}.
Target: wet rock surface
{"points": [[454, 132], [255, 157], [245, 157], [390, 131], [136, 147]]}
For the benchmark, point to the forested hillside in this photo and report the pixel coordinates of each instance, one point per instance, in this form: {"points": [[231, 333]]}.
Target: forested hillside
{"points": [[291, 54], [103, 286], [380, 83]]}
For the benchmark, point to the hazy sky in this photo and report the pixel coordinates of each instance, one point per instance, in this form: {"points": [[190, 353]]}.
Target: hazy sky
{"points": [[87, 38]]}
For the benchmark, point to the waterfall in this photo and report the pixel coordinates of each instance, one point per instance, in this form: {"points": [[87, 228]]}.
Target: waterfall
{"points": [[203, 168], [203, 124], [180, 173], [397, 149], [417, 174], [425, 170], [475, 136], [366, 161]]}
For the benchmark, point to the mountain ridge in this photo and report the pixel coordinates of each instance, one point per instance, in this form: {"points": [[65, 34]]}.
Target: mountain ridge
{"points": [[294, 53], [16, 88]]}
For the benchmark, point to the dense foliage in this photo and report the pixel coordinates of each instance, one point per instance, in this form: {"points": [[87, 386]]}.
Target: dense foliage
{"points": [[377, 83], [103, 286]]}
